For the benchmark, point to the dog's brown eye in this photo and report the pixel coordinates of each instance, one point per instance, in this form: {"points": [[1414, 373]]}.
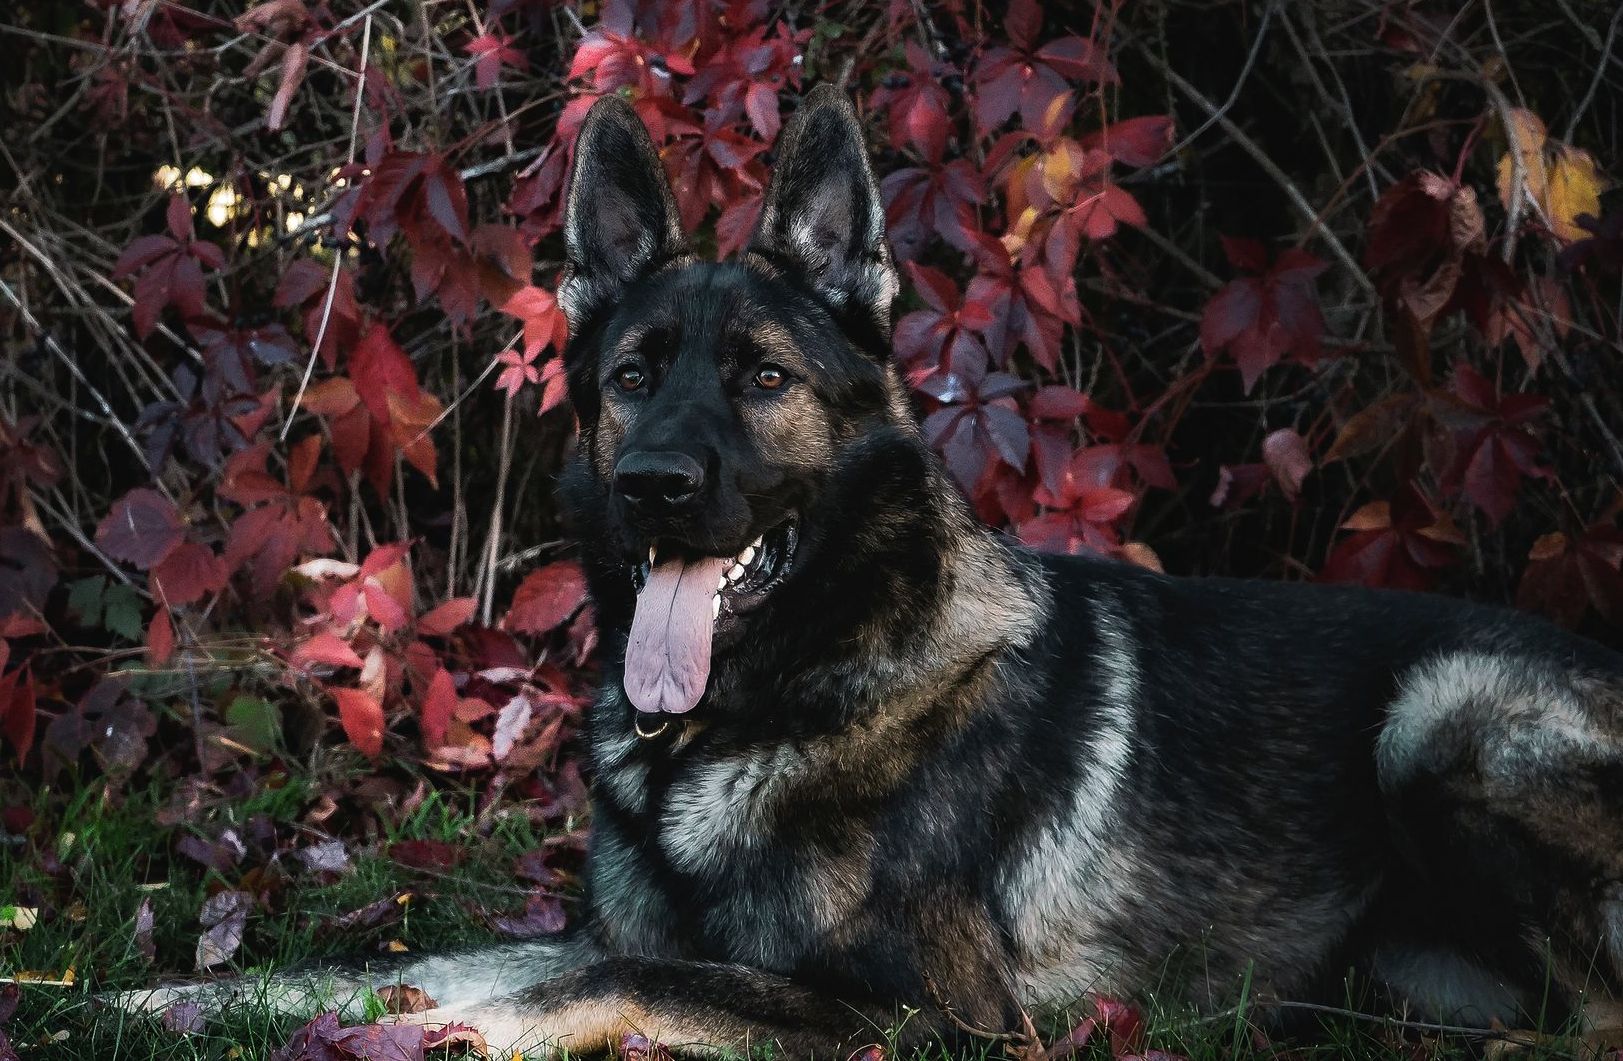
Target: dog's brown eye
{"points": [[770, 377], [629, 378]]}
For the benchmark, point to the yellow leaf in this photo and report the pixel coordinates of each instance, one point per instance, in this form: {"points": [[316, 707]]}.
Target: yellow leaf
{"points": [[1549, 546], [1561, 182], [1059, 171], [1019, 234], [1377, 515], [1574, 189]]}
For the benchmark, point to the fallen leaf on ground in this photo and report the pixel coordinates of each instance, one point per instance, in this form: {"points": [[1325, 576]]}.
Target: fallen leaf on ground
{"points": [[184, 1018], [405, 999], [381, 912], [224, 916]]}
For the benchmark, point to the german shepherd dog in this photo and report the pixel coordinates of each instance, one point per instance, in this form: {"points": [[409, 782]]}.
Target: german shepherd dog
{"points": [[860, 764]]}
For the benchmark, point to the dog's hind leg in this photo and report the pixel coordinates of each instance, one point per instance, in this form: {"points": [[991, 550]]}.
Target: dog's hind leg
{"points": [[458, 978], [1504, 784]]}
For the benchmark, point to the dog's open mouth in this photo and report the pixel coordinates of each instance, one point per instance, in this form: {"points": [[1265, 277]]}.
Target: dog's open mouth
{"points": [[682, 602]]}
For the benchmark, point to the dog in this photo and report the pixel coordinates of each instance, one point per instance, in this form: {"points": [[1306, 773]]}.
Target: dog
{"points": [[861, 766]]}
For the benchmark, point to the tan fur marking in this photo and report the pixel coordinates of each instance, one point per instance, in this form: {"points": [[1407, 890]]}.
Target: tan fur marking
{"points": [[583, 1028]]}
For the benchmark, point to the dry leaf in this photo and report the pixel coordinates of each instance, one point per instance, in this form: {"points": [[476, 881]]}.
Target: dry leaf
{"points": [[405, 999], [1574, 190], [1560, 181]]}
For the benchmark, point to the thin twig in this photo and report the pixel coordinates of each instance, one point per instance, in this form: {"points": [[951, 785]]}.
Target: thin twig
{"points": [[1431, 1027], [1220, 113], [484, 582], [1594, 82], [338, 253], [72, 366], [1294, 194]]}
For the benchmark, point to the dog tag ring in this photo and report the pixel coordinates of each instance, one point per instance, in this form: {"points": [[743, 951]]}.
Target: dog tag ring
{"points": [[647, 732]]}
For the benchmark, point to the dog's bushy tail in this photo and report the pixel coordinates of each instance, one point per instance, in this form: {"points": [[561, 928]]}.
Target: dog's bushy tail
{"points": [[1504, 783]]}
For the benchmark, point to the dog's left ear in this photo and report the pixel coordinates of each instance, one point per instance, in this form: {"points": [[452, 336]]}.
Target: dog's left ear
{"points": [[823, 219], [620, 218]]}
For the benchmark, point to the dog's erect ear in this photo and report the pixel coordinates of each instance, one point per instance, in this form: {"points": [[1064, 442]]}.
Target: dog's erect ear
{"points": [[823, 219], [620, 218]]}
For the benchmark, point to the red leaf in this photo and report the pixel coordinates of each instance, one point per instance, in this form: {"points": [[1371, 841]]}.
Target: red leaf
{"points": [[761, 103], [546, 598], [160, 637], [18, 710], [142, 252], [1024, 22], [543, 319], [1244, 253], [493, 51], [1259, 320], [438, 704], [543, 916], [1229, 313], [178, 215], [388, 612], [187, 574], [380, 368], [440, 621], [295, 60], [427, 854], [1569, 574], [142, 528], [326, 648], [1058, 403], [447, 199], [1494, 452], [1395, 544], [1125, 1025], [362, 719], [1138, 141]]}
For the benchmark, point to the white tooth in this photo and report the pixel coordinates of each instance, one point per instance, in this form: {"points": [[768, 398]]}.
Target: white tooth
{"points": [[757, 542], [721, 583], [746, 556], [735, 572], [715, 606], [650, 556]]}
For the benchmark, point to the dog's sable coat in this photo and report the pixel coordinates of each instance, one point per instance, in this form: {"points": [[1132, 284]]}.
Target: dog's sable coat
{"points": [[893, 768]]}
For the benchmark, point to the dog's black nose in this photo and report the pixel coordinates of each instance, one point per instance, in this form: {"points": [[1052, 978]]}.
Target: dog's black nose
{"points": [[658, 477]]}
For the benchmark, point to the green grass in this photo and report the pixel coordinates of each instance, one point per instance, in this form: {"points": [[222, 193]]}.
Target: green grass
{"points": [[115, 851]]}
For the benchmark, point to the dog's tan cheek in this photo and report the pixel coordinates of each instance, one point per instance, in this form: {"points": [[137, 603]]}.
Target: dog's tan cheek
{"points": [[794, 430], [606, 438]]}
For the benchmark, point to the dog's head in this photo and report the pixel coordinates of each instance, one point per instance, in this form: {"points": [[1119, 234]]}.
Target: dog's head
{"points": [[717, 400]]}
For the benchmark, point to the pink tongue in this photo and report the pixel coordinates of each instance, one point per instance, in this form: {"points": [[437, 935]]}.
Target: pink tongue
{"points": [[668, 656]]}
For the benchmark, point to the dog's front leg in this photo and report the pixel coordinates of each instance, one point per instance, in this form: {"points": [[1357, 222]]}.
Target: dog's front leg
{"points": [[692, 1007], [455, 980]]}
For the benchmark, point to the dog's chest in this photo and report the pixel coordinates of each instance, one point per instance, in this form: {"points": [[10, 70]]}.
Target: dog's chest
{"points": [[729, 825], [717, 810]]}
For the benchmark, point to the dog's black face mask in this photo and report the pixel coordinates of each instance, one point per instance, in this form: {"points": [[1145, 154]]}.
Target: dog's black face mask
{"points": [[716, 400]]}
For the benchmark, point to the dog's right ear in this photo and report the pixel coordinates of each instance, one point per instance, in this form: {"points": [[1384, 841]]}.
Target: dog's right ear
{"points": [[823, 217], [620, 218]]}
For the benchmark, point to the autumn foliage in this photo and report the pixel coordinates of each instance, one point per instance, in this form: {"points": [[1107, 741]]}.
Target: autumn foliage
{"points": [[283, 393]]}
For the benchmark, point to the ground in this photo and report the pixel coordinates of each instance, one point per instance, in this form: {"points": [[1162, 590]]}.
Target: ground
{"points": [[118, 850]]}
